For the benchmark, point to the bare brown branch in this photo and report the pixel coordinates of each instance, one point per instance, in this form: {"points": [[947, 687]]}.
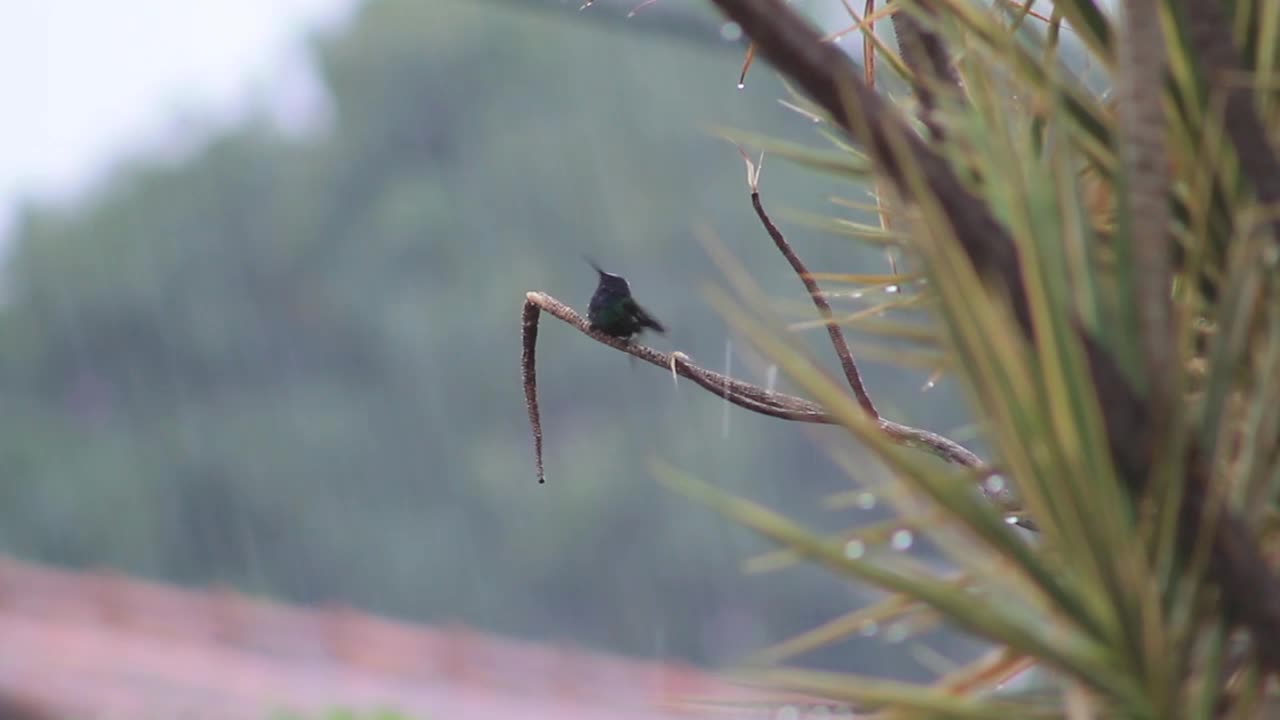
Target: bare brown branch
{"points": [[529, 378], [744, 395], [819, 300]]}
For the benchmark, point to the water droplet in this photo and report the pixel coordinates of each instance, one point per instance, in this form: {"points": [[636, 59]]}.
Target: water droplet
{"points": [[854, 549], [901, 539], [929, 385], [994, 484], [741, 85], [730, 32], [892, 289], [896, 633], [869, 629], [865, 501], [856, 294], [1011, 520]]}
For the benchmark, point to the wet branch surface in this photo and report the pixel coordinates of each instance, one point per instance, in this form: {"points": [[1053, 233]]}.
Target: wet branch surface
{"points": [[1250, 590], [820, 301], [743, 394]]}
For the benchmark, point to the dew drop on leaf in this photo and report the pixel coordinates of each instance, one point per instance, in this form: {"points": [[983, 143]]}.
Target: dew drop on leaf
{"points": [[854, 549]]}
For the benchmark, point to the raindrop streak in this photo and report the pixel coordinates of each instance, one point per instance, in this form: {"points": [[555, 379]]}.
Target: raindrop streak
{"points": [[865, 500], [771, 378], [728, 365], [901, 539], [855, 549], [640, 7]]}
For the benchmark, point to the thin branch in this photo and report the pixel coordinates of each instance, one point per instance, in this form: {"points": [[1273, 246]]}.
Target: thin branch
{"points": [[529, 378], [824, 308], [743, 394]]}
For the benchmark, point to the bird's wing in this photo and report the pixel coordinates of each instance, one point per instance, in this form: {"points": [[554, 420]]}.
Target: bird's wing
{"points": [[643, 318]]}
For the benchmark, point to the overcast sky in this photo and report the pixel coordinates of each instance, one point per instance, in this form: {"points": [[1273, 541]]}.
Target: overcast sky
{"points": [[85, 81]]}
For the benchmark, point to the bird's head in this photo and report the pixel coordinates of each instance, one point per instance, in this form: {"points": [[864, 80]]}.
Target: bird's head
{"points": [[609, 280]]}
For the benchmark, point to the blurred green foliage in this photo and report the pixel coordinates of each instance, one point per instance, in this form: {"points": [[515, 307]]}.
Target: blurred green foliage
{"points": [[292, 364]]}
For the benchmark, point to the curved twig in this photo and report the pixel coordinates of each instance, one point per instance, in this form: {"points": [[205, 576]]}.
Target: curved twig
{"points": [[744, 395], [819, 299], [529, 378]]}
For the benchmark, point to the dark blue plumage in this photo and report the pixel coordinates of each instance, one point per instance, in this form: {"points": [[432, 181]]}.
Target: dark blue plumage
{"points": [[614, 312]]}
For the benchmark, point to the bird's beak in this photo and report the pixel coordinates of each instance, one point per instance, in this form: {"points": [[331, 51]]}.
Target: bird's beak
{"points": [[594, 266]]}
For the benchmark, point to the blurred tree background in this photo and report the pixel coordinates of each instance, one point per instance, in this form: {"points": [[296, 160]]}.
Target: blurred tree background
{"points": [[291, 364]]}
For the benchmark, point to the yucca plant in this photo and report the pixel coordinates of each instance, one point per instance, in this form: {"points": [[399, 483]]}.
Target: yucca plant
{"points": [[1099, 271]]}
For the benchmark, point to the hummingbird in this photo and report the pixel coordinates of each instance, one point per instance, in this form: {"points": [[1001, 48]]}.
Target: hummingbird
{"points": [[613, 311]]}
